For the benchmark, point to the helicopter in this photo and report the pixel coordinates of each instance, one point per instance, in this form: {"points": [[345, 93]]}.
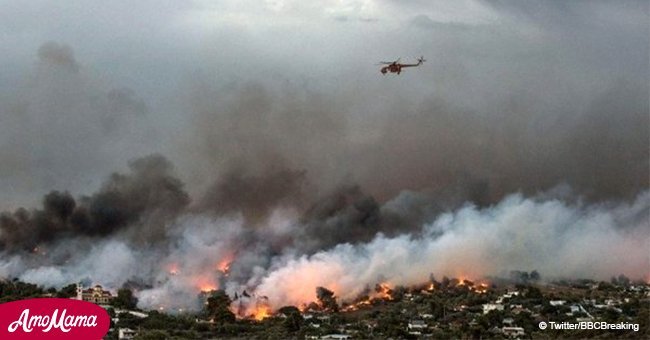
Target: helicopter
{"points": [[396, 67]]}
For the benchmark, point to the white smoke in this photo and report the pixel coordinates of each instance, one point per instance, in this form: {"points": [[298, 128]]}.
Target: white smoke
{"points": [[555, 238], [558, 238]]}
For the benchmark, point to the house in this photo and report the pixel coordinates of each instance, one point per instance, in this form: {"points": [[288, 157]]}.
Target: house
{"points": [[125, 334], [95, 294], [510, 294], [517, 310], [415, 327], [513, 331], [557, 302], [492, 306], [508, 321], [336, 336]]}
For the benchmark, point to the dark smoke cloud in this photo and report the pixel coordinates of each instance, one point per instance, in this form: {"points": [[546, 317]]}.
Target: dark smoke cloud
{"points": [[254, 196], [148, 196], [601, 150], [520, 144]]}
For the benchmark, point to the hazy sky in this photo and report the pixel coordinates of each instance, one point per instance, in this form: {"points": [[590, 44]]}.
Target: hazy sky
{"points": [[86, 86], [263, 133]]}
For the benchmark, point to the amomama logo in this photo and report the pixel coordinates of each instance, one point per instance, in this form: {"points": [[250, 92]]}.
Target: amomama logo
{"points": [[51, 318]]}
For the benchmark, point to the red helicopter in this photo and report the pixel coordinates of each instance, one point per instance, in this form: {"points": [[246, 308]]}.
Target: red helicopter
{"points": [[396, 67]]}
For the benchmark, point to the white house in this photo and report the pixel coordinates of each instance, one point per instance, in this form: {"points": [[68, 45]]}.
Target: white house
{"points": [[513, 331], [336, 336], [492, 306], [416, 325], [125, 334]]}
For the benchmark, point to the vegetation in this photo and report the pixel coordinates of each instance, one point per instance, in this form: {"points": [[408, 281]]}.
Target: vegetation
{"points": [[449, 308]]}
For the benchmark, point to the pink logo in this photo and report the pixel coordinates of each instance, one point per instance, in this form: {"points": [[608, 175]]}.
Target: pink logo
{"points": [[50, 318]]}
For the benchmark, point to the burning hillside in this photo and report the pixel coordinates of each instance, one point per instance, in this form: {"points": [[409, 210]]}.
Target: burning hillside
{"points": [[115, 240]]}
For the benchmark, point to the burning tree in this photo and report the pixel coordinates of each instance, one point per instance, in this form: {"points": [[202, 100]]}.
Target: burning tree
{"points": [[327, 299], [217, 307]]}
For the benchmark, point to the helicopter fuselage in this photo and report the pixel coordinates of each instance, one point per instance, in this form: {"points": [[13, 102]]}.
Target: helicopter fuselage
{"points": [[393, 68]]}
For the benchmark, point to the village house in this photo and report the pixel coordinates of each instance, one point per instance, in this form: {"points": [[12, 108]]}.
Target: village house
{"points": [[415, 327], [95, 294], [492, 306], [513, 331], [336, 336], [126, 334]]}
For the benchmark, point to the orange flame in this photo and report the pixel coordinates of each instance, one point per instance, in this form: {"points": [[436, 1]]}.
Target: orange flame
{"points": [[206, 288], [383, 291], [224, 264], [206, 284], [261, 312]]}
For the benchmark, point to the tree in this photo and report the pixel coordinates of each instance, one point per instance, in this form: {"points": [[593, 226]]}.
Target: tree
{"points": [[152, 335], [128, 320], [327, 299], [218, 307], [534, 276], [125, 299], [445, 282], [67, 291], [286, 310], [293, 320]]}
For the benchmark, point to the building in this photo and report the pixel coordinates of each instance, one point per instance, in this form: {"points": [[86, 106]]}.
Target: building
{"points": [[415, 327], [125, 334], [336, 336], [508, 321], [557, 302], [492, 306], [95, 294], [513, 331]]}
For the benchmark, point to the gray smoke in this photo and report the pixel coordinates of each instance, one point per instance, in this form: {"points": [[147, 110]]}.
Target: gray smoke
{"points": [[144, 200], [521, 144]]}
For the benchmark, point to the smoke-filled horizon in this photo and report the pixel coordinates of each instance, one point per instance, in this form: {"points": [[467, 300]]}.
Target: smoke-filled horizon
{"points": [[258, 147], [141, 231]]}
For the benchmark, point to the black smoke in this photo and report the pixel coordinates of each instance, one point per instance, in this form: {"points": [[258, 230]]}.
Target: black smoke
{"points": [[148, 194]]}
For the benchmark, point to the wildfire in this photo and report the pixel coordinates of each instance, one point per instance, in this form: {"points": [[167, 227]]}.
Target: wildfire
{"points": [[251, 306], [261, 312], [207, 287], [382, 291], [481, 288], [206, 284], [224, 264]]}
